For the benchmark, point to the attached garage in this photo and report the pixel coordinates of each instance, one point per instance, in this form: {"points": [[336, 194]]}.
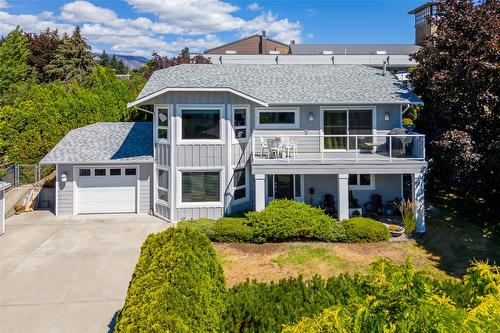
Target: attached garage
{"points": [[104, 168], [106, 190]]}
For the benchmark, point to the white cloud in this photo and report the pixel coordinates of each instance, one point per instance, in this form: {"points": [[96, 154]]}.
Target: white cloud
{"points": [[311, 12], [254, 6], [192, 22], [280, 29], [29, 23], [193, 16], [3, 4]]}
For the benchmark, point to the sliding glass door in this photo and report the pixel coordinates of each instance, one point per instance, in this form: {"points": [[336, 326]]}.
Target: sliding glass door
{"points": [[337, 124]]}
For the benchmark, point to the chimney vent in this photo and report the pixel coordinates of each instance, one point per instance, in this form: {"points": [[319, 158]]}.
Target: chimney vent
{"points": [[385, 67], [263, 33]]}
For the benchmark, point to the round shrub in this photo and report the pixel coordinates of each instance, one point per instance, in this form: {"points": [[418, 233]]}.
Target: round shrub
{"points": [[177, 286], [232, 230], [285, 220], [365, 230], [204, 225]]}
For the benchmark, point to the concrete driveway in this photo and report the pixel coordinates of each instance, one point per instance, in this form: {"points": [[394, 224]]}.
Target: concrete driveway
{"points": [[68, 274]]}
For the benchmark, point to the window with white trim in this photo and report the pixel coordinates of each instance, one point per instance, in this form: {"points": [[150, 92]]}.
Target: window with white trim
{"points": [[361, 182], [277, 118], [240, 184], [241, 122], [200, 186], [201, 124], [162, 123], [162, 187]]}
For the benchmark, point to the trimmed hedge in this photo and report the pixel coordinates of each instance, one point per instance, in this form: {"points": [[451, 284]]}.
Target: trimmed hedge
{"points": [[265, 307], [225, 230], [365, 230], [285, 220], [177, 286]]}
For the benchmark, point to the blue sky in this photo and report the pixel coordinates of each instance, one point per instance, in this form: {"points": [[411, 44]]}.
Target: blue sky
{"points": [[138, 27]]}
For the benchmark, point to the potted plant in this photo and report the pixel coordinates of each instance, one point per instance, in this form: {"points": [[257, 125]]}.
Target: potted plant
{"points": [[408, 124], [396, 230]]}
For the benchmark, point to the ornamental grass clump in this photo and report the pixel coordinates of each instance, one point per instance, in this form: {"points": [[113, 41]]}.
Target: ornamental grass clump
{"points": [[407, 210]]}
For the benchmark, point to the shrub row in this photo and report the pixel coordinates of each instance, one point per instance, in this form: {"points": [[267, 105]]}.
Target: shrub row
{"points": [[287, 220], [177, 286]]}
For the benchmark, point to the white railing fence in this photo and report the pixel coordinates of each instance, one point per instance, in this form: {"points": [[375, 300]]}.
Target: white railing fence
{"points": [[353, 147]]}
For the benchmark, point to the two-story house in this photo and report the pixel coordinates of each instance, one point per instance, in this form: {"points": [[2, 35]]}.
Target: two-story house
{"points": [[230, 138]]}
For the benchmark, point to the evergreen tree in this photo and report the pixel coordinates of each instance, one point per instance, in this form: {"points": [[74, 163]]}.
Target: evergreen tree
{"points": [[114, 62], [121, 68], [105, 59], [73, 60], [185, 53], [43, 48], [14, 54]]}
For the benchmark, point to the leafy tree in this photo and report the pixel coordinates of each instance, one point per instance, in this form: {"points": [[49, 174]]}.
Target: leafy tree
{"points": [[43, 48], [159, 62], [105, 59], [14, 55], [458, 78], [73, 60]]}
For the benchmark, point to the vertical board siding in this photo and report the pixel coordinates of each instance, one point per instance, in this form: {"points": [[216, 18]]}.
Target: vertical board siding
{"points": [[163, 211], [200, 155], [65, 196], [145, 189], [163, 154], [241, 153], [198, 212]]}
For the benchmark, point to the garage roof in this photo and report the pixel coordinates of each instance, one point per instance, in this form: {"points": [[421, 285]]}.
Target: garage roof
{"points": [[104, 143]]}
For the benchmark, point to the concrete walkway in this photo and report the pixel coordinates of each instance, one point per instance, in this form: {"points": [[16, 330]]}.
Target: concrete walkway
{"points": [[68, 274]]}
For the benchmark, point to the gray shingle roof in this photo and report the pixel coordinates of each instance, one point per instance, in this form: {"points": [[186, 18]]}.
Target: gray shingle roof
{"points": [[354, 49], [287, 84], [4, 185], [104, 143]]}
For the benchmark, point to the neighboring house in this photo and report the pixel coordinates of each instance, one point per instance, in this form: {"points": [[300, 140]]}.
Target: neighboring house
{"points": [[3, 187], [229, 138], [254, 44], [424, 29]]}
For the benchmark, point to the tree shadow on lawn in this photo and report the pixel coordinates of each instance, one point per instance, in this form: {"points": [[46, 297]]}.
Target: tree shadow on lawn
{"points": [[460, 231]]}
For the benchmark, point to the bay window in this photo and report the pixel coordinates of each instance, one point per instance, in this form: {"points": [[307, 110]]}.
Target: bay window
{"points": [[241, 122], [162, 179], [162, 123], [240, 184], [200, 186], [201, 124]]}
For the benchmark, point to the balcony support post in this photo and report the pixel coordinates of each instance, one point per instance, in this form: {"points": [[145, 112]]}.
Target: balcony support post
{"points": [[260, 192], [343, 196], [417, 189]]}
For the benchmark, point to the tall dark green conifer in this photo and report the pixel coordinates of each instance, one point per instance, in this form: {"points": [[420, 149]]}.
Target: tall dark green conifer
{"points": [[105, 59], [73, 60]]}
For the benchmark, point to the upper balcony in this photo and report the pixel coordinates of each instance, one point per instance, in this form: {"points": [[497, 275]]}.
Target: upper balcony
{"points": [[322, 149]]}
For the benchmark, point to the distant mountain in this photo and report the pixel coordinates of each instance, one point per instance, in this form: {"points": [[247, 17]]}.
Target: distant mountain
{"points": [[132, 62]]}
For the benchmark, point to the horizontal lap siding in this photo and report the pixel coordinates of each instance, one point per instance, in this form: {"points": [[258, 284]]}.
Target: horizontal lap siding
{"points": [[145, 188], [65, 193], [198, 212]]}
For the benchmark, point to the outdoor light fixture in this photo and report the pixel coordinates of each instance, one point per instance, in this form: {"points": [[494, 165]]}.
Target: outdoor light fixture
{"points": [[311, 116], [64, 178], [387, 117], [162, 116]]}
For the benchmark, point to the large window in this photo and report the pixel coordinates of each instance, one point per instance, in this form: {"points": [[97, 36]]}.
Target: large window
{"points": [[241, 122], [286, 118], [162, 185], [162, 123], [200, 186], [338, 124], [361, 182], [240, 184], [201, 124]]}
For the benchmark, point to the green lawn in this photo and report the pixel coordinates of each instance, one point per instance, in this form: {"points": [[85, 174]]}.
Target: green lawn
{"points": [[458, 231]]}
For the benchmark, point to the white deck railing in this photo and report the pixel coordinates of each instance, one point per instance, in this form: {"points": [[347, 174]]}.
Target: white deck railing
{"points": [[323, 148]]}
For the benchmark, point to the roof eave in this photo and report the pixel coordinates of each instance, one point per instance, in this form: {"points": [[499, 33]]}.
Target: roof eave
{"points": [[169, 89], [101, 162]]}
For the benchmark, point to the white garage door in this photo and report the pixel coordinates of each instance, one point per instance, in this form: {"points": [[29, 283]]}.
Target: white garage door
{"points": [[107, 190]]}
